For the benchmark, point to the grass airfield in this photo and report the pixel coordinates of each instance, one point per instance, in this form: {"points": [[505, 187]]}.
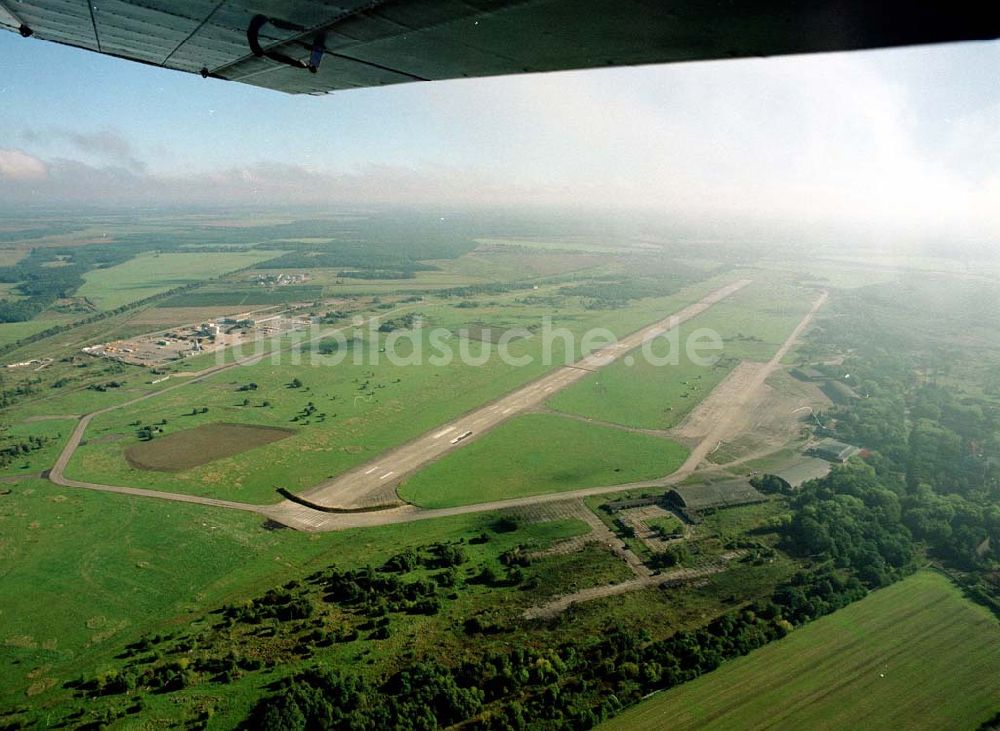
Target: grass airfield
{"points": [[537, 454], [347, 412]]}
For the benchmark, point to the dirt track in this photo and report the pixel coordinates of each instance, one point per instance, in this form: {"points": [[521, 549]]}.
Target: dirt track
{"points": [[678, 576], [728, 419], [56, 472]]}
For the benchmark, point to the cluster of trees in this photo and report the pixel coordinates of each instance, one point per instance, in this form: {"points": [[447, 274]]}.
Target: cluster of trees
{"points": [[403, 322], [48, 274], [606, 294], [102, 387], [675, 555], [377, 274], [850, 518], [936, 442], [21, 448], [11, 395], [332, 317], [339, 255], [576, 685], [277, 604], [329, 346], [42, 277]]}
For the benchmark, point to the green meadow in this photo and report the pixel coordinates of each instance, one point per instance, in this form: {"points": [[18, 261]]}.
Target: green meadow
{"points": [[69, 606], [658, 392], [150, 274], [536, 454]]}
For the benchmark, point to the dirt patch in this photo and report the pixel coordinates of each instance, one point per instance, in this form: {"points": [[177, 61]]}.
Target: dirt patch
{"points": [[40, 686], [709, 412], [13, 479], [25, 642], [779, 415], [203, 444]]}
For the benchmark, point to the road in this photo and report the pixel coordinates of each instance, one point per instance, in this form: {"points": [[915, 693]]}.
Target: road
{"points": [[56, 473], [374, 482], [726, 420]]}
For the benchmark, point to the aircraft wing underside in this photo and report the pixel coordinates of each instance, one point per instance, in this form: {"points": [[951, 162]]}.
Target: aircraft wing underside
{"points": [[312, 47]]}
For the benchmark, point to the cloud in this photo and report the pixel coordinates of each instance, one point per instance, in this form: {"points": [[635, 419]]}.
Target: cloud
{"points": [[19, 167], [106, 146], [879, 145], [109, 145], [263, 183]]}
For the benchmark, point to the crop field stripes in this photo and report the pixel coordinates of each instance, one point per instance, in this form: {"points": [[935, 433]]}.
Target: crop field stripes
{"points": [[916, 654]]}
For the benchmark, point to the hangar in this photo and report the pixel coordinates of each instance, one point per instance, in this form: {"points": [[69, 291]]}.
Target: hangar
{"points": [[713, 495]]}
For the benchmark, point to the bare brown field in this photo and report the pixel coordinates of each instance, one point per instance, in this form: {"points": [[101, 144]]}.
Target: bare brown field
{"points": [[707, 414], [772, 419], [775, 419], [203, 444]]}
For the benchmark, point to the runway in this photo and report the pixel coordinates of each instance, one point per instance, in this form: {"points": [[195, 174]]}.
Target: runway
{"points": [[373, 483]]}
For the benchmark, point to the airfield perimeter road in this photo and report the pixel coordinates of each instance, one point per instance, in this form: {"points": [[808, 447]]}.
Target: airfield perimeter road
{"points": [[373, 483], [55, 473], [304, 518]]}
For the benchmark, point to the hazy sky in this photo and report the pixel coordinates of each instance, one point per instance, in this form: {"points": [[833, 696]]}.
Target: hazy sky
{"points": [[905, 140]]}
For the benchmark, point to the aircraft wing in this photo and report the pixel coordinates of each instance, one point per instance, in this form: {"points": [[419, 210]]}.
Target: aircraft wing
{"points": [[317, 46]]}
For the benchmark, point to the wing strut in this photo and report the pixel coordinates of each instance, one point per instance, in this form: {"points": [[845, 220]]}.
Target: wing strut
{"points": [[22, 28], [253, 38]]}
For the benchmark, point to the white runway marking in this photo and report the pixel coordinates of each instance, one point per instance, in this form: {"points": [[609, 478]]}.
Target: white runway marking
{"points": [[507, 410], [368, 472], [390, 472], [443, 432]]}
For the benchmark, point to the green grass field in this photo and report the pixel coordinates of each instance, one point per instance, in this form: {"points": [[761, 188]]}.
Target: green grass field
{"points": [[668, 525], [151, 274], [752, 324], [541, 453], [56, 431], [11, 332], [916, 655], [71, 603]]}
